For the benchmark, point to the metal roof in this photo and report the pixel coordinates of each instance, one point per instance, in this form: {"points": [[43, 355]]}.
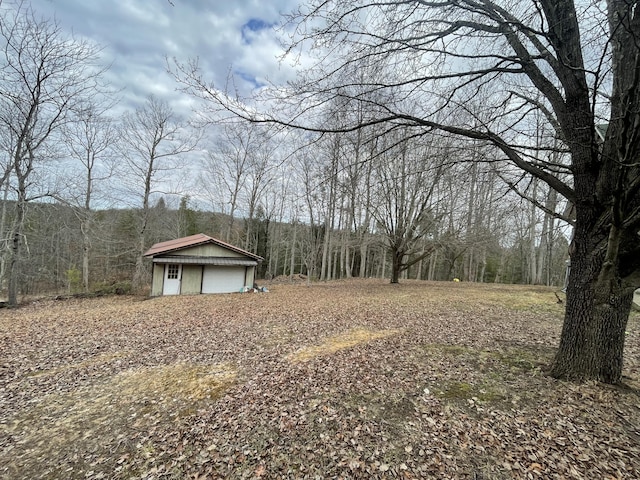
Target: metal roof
{"points": [[193, 241], [193, 260]]}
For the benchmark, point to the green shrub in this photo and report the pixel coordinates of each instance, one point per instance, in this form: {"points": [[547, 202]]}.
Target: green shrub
{"points": [[74, 280]]}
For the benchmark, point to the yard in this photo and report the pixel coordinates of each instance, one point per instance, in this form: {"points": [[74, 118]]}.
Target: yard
{"points": [[358, 379]]}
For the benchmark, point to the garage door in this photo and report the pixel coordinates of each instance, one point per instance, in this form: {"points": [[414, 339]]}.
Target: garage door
{"points": [[222, 279]]}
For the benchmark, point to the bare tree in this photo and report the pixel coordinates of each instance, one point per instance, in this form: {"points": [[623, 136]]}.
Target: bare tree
{"points": [[236, 173], [406, 176], [312, 238], [224, 170], [264, 160], [153, 140], [43, 74], [91, 139]]}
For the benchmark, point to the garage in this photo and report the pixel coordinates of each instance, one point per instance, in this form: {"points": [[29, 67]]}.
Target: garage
{"points": [[200, 264], [221, 279]]}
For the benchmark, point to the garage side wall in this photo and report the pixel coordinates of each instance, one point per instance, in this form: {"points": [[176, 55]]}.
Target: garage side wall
{"points": [[251, 276], [191, 279], [157, 279]]}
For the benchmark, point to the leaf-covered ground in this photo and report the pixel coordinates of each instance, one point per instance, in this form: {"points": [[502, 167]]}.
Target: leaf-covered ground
{"points": [[356, 379]]}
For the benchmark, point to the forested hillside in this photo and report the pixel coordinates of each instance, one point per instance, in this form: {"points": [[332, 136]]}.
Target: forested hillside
{"points": [[53, 258]]}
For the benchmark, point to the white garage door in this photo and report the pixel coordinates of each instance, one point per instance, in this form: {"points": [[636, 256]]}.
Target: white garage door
{"points": [[222, 279]]}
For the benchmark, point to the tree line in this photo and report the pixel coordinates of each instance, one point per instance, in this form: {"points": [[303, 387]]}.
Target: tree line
{"points": [[55, 259]]}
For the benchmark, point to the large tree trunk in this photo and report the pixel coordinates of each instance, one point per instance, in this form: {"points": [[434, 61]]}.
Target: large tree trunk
{"points": [[396, 264], [13, 270], [598, 306], [605, 258]]}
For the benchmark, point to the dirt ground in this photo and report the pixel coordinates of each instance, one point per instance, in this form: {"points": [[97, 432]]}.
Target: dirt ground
{"points": [[357, 379]]}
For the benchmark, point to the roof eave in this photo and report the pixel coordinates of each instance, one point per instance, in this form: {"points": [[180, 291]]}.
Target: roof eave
{"points": [[176, 249], [207, 240]]}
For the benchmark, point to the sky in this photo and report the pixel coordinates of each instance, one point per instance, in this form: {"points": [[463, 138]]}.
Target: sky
{"points": [[137, 36]]}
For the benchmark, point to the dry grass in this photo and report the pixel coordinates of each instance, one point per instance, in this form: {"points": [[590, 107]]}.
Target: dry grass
{"points": [[333, 344], [103, 414], [176, 382]]}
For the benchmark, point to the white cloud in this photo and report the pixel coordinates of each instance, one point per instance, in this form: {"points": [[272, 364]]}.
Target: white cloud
{"points": [[137, 36]]}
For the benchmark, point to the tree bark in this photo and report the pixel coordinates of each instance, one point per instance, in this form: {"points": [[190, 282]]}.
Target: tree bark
{"points": [[86, 252], [605, 257], [292, 260], [396, 265], [12, 269], [598, 307]]}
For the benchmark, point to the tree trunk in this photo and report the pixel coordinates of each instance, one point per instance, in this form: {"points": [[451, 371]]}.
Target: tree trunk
{"points": [[419, 267], [598, 307], [13, 270], [433, 263], [604, 252], [3, 238], [546, 240], [382, 267], [292, 263], [342, 262], [592, 341], [15, 251], [363, 257], [286, 255], [324, 268], [470, 232], [275, 235], [533, 223], [346, 258], [483, 265], [86, 251], [396, 265]]}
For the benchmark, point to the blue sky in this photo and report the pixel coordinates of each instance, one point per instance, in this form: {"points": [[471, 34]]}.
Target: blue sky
{"points": [[137, 35]]}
